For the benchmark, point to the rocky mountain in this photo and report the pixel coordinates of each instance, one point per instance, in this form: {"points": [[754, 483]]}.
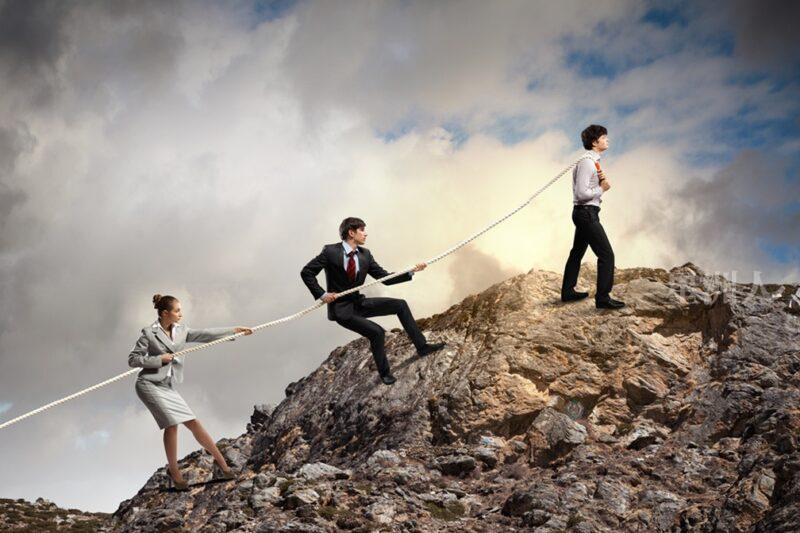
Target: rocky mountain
{"points": [[677, 413], [33, 517]]}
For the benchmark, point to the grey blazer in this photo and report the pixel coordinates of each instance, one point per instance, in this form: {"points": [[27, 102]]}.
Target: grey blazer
{"points": [[153, 343]]}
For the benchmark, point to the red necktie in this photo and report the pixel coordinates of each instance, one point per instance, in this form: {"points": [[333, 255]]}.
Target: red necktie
{"points": [[351, 266]]}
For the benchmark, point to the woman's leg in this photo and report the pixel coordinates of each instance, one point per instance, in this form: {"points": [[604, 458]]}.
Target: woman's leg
{"points": [[171, 447], [206, 441]]}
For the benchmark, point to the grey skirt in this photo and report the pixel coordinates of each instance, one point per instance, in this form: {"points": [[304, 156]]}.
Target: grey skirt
{"points": [[164, 402]]}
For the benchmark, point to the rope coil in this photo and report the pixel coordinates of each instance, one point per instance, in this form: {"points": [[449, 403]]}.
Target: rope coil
{"points": [[317, 304]]}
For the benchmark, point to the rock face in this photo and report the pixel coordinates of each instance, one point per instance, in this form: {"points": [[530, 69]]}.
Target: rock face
{"points": [[679, 412], [42, 515]]}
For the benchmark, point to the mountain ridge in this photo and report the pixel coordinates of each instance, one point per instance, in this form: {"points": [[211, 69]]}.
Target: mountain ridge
{"points": [[678, 412]]}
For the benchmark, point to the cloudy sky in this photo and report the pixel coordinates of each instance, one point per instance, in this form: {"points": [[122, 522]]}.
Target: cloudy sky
{"points": [[208, 150]]}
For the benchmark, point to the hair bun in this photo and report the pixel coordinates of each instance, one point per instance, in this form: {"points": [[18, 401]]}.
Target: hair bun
{"points": [[156, 298]]}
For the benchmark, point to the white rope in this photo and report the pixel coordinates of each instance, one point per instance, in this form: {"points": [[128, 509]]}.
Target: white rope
{"points": [[317, 305]]}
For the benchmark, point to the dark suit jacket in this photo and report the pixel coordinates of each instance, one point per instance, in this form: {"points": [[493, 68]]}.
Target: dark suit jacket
{"points": [[331, 259]]}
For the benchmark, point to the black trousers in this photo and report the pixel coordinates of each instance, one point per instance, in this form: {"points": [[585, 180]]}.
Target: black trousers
{"points": [[589, 232], [369, 307]]}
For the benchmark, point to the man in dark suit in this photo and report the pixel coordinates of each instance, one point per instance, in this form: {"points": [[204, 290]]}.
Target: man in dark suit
{"points": [[346, 265]]}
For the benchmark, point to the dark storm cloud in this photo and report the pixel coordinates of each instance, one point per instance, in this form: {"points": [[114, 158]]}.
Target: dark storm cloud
{"points": [[32, 39], [13, 142], [30, 33], [737, 216], [8, 199], [37, 38], [748, 199], [767, 35], [135, 48]]}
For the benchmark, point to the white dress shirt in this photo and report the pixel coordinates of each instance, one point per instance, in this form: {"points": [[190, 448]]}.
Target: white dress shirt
{"points": [[346, 249], [586, 188]]}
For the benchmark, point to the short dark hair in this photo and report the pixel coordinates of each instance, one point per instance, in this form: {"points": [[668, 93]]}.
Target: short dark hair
{"points": [[591, 134], [350, 223]]}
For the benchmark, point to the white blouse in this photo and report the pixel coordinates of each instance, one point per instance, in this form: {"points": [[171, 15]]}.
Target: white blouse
{"points": [[169, 337]]}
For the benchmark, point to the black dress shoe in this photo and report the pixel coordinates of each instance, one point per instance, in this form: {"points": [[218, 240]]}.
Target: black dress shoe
{"points": [[611, 303], [574, 296], [430, 348], [388, 379]]}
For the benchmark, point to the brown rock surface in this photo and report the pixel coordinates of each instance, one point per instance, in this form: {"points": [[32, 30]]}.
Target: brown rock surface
{"points": [[679, 412]]}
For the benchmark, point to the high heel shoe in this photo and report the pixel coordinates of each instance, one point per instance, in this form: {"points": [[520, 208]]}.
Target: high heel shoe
{"points": [[179, 486]]}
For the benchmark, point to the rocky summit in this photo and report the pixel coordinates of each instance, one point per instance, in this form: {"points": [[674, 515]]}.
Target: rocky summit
{"points": [[677, 413]]}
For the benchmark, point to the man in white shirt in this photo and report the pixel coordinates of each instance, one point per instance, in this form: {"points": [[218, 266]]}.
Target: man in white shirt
{"points": [[588, 186]]}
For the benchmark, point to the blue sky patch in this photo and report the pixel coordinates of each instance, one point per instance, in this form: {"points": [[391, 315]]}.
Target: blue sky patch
{"points": [[783, 253], [459, 133], [590, 64], [511, 130], [267, 10], [623, 110], [722, 44], [740, 131], [664, 18], [399, 129], [749, 79]]}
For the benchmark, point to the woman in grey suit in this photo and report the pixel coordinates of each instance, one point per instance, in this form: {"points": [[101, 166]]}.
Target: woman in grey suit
{"points": [[161, 370]]}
